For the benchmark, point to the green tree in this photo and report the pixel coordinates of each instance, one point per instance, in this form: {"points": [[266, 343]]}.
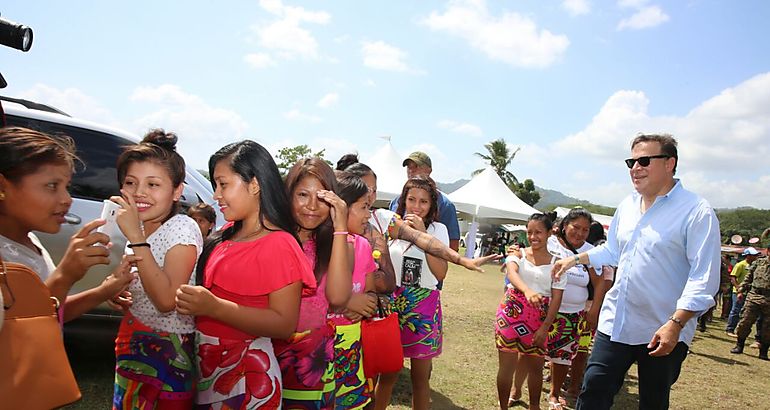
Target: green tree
{"points": [[592, 208], [288, 156], [747, 222], [526, 192], [499, 156]]}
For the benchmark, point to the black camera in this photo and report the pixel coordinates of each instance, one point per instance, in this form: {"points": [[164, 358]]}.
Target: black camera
{"points": [[15, 35]]}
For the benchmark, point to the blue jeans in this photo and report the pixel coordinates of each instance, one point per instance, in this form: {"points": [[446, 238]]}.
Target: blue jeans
{"points": [[735, 314], [607, 368]]}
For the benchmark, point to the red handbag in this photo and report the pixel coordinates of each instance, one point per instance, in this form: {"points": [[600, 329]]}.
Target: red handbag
{"points": [[381, 344]]}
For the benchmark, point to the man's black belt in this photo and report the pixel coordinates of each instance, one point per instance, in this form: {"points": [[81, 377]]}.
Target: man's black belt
{"points": [[759, 291]]}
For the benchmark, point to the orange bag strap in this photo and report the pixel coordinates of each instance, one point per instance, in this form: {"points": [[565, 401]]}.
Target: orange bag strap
{"points": [[11, 299]]}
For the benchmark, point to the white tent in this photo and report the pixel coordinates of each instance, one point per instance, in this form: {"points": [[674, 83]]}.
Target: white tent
{"points": [[487, 198], [605, 220], [391, 175]]}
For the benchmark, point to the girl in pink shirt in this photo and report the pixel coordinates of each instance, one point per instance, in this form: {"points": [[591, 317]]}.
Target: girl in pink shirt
{"points": [[352, 389]]}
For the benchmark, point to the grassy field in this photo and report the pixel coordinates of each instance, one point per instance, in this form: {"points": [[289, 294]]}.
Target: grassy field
{"points": [[464, 375]]}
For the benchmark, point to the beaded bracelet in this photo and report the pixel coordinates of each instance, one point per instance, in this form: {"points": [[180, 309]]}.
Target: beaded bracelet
{"points": [[677, 321], [340, 232]]}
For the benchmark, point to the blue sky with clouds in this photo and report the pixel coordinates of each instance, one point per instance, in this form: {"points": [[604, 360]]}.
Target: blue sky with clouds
{"points": [[571, 81]]}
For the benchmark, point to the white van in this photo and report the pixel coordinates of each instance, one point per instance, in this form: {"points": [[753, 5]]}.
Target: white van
{"points": [[98, 147]]}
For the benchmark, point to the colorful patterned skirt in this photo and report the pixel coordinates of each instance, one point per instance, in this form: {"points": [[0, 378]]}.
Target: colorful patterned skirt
{"points": [[563, 337], [304, 360], [237, 374], [152, 369], [352, 390], [419, 316], [586, 335], [516, 323]]}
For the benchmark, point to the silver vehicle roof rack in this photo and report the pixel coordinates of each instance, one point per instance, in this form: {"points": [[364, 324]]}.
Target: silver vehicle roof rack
{"points": [[33, 105]]}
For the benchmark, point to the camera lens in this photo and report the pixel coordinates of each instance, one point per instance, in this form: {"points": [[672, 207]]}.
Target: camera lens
{"points": [[15, 35]]}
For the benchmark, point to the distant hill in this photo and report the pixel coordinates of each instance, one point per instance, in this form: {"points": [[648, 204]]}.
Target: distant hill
{"points": [[548, 197], [448, 188]]}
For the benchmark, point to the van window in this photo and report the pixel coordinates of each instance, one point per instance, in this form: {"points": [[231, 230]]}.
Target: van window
{"points": [[99, 151]]}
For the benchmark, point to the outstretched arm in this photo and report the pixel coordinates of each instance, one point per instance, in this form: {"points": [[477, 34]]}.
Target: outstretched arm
{"points": [[433, 246]]}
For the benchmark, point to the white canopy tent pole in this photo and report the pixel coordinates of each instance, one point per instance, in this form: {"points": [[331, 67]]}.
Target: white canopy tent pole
{"points": [[470, 241]]}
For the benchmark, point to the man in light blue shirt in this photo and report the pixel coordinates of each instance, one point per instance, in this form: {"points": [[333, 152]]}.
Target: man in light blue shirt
{"points": [[665, 242]]}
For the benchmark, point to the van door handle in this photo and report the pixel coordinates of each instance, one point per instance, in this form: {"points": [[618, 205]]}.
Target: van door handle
{"points": [[72, 219]]}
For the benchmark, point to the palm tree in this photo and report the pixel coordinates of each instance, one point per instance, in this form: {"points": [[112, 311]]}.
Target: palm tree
{"points": [[499, 158]]}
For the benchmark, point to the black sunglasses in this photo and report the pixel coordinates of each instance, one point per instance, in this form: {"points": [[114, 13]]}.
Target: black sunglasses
{"points": [[644, 161]]}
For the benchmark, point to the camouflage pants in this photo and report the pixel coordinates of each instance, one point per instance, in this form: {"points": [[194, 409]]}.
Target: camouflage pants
{"points": [[751, 311]]}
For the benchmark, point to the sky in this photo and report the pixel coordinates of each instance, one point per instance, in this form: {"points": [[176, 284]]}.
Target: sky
{"points": [[570, 82]]}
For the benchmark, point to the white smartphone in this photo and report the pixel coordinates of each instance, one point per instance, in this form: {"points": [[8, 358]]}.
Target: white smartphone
{"points": [[109, 213]]}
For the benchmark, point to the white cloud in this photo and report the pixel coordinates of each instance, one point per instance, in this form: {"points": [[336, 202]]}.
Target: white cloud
{"points": [[511, 38], [722, 146], [259, 60], [285, 35], [634, 4], [288, 40], [293, 13], [72, 101], [342, 39], [297, 115], [646, 17], [461, 127], [531, 156], [201, 127], [329, 100], [335, 147], [730, 193], [576, 7], [380, 55]]}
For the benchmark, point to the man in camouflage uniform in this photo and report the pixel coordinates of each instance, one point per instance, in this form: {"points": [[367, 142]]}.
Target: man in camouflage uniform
{"points": [[756, 290]]}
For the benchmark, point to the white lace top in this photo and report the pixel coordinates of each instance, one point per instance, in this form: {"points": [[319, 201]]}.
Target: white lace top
{"points": [[179, 230]]}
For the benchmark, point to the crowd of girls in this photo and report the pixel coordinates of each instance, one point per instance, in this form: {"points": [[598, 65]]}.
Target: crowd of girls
{"points": [[267, 312]]}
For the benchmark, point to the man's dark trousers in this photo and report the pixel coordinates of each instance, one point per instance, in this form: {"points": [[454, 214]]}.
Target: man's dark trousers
{"points": [[607, 368]]}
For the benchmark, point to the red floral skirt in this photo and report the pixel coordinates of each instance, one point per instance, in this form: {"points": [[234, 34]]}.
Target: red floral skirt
{"points": [[237, 374]]}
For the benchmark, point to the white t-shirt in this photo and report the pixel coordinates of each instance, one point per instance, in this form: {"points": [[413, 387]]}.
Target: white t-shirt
{"points": [[179, 230], [410, 263], [380, 219], [537, 278], [576, 292], [40, 262]]}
